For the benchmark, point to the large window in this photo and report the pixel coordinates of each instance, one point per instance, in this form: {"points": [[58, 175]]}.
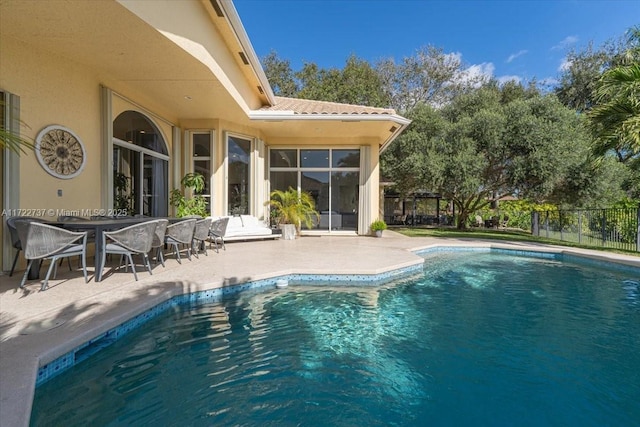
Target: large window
{"points": [[331, 176], [140, 166], [239, 175], [201, 151]]}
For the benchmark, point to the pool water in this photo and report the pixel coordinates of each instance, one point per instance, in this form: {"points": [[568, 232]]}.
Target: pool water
{"points": [[480, 339]]}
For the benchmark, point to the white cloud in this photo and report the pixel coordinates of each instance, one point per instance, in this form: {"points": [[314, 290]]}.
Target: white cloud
{"points": [[515, 55], [567, 42], [477, 74], [564, 65], [504, 79]]}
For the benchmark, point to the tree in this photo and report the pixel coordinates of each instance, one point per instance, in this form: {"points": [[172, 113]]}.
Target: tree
{"points": [[429, 77], [406, 160], [579, 76], [615, 119], [358, 83], [280, 75], [486, 145]]}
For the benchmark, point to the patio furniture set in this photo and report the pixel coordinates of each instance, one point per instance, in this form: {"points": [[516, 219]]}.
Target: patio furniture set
{"points": [[39, 240], [492, 222]]}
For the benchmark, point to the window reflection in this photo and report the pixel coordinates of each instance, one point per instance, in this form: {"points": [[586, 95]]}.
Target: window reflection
{"points": [[332, 178], [140, 178], [239, 152]]}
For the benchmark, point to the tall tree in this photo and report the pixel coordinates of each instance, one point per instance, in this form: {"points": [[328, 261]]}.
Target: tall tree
{"points": [[616, 121], [407, 159], [429, 77], [280, 75], [357, 83], [582, 69], [486, 145], [616, 117], [579, 75]]}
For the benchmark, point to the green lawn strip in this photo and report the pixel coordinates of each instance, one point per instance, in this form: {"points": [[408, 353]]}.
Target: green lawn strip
{"points": [[506, 235]]}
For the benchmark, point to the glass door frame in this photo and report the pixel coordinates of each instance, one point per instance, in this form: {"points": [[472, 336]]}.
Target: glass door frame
{"points": [[211, 158], [251, 165], [330, 169], [140, 171]]}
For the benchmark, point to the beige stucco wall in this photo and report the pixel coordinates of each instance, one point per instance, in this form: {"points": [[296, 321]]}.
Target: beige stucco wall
{"points": [[201, 39], [221, 128], [54, 90]]}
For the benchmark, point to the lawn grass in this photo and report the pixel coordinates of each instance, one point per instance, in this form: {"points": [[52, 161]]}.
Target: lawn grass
{"points": [[493, 234]]}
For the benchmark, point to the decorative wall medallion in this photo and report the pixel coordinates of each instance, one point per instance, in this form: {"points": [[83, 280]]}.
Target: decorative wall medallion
{"points": [[60, 152]]}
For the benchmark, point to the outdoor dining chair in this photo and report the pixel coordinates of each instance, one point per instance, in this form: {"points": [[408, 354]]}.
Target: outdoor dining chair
{"points": [[90, 236], [217, 231], [128, 241], [200, 236], [181, 233], [15, 238], [43, 241], [158, 239]]}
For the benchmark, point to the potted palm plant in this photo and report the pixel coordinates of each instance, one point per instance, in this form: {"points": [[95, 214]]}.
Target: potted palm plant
{"points": [[196, 205], [378, 226], [292, 209]]}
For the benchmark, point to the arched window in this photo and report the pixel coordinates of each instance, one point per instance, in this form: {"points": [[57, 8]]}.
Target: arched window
{"points": [[140, 166]]}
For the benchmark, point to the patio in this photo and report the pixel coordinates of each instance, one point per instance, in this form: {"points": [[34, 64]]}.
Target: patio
{"points": [[38, 327]]}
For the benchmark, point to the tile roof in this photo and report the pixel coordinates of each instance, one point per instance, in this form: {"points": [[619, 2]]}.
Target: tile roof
{"points": [[307, 106]]}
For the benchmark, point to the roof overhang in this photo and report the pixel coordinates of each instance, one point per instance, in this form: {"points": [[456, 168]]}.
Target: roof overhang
{"points": [[385, 128], [227, 7], [146, 54]]}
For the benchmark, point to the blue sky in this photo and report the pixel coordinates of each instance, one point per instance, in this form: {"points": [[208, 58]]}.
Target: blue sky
{"points": [[507, 39]]}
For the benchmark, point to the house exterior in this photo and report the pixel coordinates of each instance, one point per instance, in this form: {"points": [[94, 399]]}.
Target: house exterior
{"points": [[124, 97]]}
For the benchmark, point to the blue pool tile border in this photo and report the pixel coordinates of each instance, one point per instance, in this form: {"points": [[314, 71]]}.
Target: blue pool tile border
{"points": [[105, 339], [558, 256], [516, 252], [615, 266]]}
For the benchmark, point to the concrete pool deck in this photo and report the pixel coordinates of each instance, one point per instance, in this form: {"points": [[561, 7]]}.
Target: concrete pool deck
{"points": [[38, 327]]}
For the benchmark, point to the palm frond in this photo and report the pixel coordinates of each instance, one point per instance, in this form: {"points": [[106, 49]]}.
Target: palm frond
{"points": [[14, 142]]}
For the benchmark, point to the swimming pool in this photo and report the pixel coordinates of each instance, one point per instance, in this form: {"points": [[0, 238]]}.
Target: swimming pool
{"points": [[481, 338]]}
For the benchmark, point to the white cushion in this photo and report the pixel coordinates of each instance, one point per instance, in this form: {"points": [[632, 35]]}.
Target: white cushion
{"points": [[246, 225], [250, 221]]}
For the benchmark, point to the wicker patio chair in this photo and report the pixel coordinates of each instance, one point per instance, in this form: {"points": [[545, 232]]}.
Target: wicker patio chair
{"points": [[217, 231], [200, 236], [158, 239], [90, 236], [134, 239], [15, 238], [181, 233], [44, 241]]}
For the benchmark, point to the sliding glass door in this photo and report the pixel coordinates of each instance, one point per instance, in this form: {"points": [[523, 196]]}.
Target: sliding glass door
{"points": [[239, 175], [331, 176]]}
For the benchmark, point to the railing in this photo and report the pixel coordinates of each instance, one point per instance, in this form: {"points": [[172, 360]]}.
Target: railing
{"points": [[609, 228]]}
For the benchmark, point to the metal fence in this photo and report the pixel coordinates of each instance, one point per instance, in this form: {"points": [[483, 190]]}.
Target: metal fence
{"points": [[609, 228]]}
